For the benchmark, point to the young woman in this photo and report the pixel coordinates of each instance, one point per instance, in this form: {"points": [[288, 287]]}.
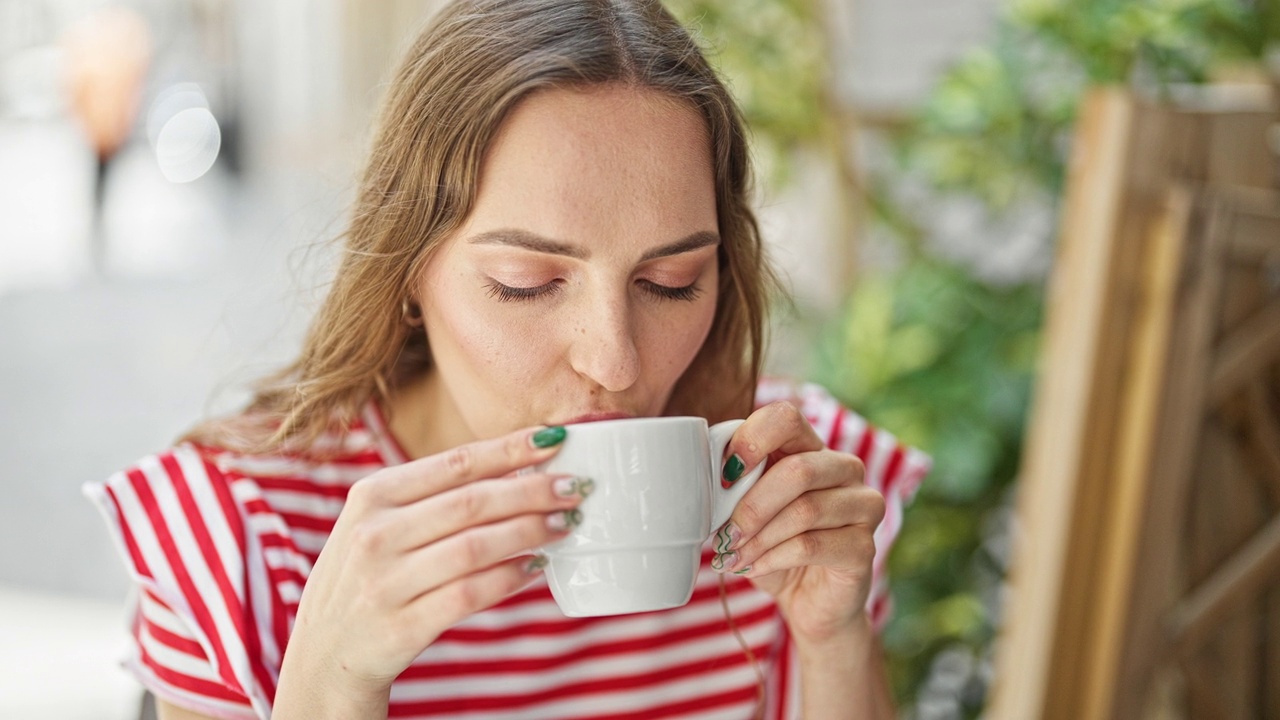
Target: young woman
{"points": [[553, 228]]}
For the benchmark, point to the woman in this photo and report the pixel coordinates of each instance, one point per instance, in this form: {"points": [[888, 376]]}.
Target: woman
{"points": [[553, 228]]}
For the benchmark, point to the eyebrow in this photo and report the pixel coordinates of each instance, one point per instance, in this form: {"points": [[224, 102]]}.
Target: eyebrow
{"points": [[530, 241]]}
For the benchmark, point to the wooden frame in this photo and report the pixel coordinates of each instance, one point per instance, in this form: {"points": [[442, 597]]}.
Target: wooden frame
{"points": [[1131, 362]]}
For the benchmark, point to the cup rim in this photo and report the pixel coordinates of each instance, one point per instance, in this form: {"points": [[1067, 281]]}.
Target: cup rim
{"points": [[648, 420]]}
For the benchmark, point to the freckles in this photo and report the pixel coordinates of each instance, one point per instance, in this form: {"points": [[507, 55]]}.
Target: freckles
{"points": [[508, 348], [674, 348], [476, 336]]}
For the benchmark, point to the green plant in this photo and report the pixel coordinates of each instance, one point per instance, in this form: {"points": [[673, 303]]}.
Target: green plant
{"points": [[935, 349], [771, 54], [946, 358]]}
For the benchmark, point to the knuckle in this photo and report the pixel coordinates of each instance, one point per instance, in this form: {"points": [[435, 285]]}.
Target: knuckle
{"points": [[809, 544], [857, 469], [865, 546], [749, 512], [791, 416], [515, 448], [804, 469], [466, 596], [876, 504], [459, 460], [471, 505], [364, 493], [369, 538], [502, 581], [808, 511], [470, 551]]}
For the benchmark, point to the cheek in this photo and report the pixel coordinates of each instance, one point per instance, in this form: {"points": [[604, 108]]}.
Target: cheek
{"points": [[500, 347], [674, 342]]}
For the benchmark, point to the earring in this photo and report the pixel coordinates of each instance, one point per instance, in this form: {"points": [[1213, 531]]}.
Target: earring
{"points": [[411, 312]]}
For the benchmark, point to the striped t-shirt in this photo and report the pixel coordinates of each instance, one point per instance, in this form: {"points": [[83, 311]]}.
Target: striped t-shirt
{"points": [[220, 545]]}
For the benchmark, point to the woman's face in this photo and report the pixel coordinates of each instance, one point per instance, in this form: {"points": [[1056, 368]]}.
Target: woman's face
{"points": [[584, 281]]}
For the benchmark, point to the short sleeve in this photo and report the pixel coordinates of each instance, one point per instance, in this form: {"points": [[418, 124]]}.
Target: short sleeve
{"points": [[200, 633], [894, 469], [170, 661]]}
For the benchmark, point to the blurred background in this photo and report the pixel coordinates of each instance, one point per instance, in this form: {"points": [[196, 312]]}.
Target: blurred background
{"points": [[172, 171]]}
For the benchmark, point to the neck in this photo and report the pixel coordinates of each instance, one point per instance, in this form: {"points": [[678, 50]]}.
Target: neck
{"points": [[424, 419]]}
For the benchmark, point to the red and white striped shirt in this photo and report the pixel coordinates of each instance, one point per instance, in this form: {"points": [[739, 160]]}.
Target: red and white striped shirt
{"points": [[221, 543]]}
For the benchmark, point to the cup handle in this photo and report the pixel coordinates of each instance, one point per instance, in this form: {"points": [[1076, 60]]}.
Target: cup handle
{"points": [[724, 500]]}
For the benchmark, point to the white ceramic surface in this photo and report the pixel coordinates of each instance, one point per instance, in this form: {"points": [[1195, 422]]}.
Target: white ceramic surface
{"points": [[657, 499]]}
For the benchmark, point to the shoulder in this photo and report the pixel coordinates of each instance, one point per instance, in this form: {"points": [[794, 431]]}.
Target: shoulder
{"points": [[174, 517], [181, 481], [207, 620], [347, 451]]}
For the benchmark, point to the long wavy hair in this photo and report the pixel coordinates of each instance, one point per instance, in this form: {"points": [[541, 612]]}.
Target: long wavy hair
{"points": [[464, 73]]}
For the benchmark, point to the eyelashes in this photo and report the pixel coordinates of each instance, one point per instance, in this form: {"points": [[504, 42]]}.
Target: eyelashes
{"points": [[686, 293], [506, 293]]}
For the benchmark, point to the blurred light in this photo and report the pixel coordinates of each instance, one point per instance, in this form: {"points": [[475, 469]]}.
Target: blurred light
{"points": [[184, 134], [171, 101]]}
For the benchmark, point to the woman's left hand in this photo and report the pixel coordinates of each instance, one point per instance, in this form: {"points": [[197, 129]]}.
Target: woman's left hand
{"points": [[804, 532]]}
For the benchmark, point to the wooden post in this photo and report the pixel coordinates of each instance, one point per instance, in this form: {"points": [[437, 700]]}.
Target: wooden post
{"points": [[1135, 361]]}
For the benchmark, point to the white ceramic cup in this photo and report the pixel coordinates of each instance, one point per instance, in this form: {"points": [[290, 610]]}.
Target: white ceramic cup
{"points": [[657, 499]]}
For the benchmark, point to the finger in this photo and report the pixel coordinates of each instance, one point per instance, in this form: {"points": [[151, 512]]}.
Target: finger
{"points": [[783, 483], [777, 427], [478, 591], [437, 473], [474, 549], [814, 510], [484, 502], [848, 549]]}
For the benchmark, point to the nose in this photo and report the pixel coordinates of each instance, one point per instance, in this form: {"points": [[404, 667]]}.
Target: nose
{"points": [[604, 348]]}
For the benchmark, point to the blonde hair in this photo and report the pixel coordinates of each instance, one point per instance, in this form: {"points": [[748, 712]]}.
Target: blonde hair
{"points": [[474, 62]]}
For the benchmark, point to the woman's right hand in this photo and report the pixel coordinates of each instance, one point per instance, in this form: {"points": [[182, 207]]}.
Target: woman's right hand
{"points": [[417, 548]]}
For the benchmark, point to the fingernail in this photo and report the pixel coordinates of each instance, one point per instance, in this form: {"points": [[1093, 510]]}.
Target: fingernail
{"points": [[580, 486], [743, 571], [733, 468], [536, 563], [723, 561], [727, 537], [567, 520], [548, 436]]}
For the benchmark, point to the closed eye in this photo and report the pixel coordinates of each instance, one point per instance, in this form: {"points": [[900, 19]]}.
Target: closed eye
{"points": [[688, 292], [506, 293]]}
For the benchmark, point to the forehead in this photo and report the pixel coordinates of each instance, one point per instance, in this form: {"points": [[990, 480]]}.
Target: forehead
{"points": [[601, 162]]}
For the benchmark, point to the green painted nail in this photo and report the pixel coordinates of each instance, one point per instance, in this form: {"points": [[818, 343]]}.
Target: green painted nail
{"points": [[733, 468], [546, 437], [536, 563]]}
